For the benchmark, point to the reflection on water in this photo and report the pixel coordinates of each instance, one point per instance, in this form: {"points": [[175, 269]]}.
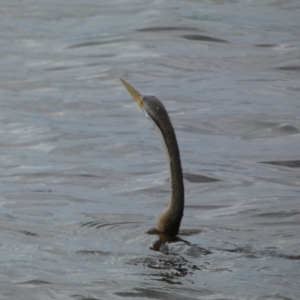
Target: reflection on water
{"points": [[83, 176]]}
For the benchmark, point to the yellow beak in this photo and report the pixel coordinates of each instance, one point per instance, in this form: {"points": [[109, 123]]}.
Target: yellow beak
{"points": [[134, 93]]}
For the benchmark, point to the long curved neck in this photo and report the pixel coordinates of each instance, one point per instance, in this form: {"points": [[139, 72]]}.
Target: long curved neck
{"points": [[176, 204]]}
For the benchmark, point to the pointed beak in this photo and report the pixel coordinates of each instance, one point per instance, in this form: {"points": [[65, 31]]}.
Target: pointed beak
{"points": [[134, 93]]}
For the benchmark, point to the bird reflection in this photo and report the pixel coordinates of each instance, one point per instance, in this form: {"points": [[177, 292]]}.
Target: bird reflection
{"points": [[161, 244]]}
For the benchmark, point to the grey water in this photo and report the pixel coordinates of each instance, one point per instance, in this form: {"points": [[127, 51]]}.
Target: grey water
{"points": [[83, 175]]}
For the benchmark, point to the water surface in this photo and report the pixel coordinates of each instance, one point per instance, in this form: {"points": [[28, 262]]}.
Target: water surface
{"points": [[83, 175]]}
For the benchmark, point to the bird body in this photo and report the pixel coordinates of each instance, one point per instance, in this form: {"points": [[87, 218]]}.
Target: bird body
{"points": [[170, 218]]}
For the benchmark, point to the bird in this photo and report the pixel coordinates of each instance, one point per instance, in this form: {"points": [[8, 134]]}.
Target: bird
{"points": [[169, 220]]}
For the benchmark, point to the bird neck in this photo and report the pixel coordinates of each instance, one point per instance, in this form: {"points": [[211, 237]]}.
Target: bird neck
{"points": [[176, 204]]}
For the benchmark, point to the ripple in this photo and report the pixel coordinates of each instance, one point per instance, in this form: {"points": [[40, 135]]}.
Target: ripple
{"points": [[285, 129], [267, 45], [203, 38], [92, 252], [250, 251], [248, 127], [169, 267], [198, 178], [110, 226], [144, 293], [35, 282], [96, 43], [290, 68], [167, 28], [28, 233], [284, 163]]}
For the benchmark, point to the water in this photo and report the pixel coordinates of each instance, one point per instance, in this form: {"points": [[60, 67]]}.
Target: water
{"points": [[83, 175]]}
